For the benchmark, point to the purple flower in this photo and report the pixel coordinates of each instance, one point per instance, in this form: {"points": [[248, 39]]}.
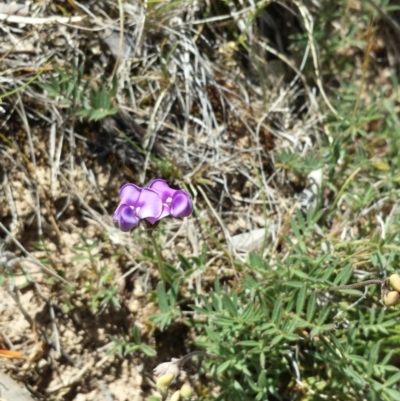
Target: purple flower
{"points": [[176, 203], [137, 203]]}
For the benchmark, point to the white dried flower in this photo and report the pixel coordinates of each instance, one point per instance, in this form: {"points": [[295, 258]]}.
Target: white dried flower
{"points": [[167, 367]]}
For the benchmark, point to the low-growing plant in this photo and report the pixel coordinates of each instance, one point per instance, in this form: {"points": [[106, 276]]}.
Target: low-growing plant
{"points": [[79, 95], [130, 344], [101, 288], [296, 327]]}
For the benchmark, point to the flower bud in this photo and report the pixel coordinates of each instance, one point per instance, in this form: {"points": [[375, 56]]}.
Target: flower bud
{"points": [[163, 382], [394, 281], [186, 391], [390, 298], [176, 396]]}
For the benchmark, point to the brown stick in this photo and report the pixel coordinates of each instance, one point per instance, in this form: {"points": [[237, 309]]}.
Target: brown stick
{"points": [[352, 286]]}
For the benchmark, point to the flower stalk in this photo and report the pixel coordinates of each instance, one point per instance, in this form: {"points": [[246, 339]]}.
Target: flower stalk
{"points": [[163, 273], [353, 286], [390, 288]]}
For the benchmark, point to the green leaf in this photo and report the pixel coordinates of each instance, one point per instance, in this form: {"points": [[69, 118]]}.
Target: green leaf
{"points": [[230, 305], [392, 393], [323, 315], [301, 274], [148, 350], [295, 229], [311, 307], [301, 299], [250, 314], [344, 276], [162, 298], [291, 337], [262, 380], [185, 263], [393, 380], [262, 360], [276, 340], [328, 327], [257, 262], [225, 365], [253, 386], [225, 321], [294, 284], [249, 343], [97, 114], [315, 331], [373, 357], [237, 386], [277, 312], [352, 292], [352, 374], [356, 358]]}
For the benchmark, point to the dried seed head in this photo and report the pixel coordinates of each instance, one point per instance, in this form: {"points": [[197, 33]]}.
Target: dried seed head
{"points": [[176, 396], [390, 298], [394, 281], [167, 367], [186, 390]]}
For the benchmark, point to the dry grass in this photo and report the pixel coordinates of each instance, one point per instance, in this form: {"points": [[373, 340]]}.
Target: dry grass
{"points": [[207, 95]]}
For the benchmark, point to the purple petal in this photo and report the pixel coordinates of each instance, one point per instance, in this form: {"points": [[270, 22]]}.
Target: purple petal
{"points": [[181, 205], [117, 212], [150, 204], [162, 188], [127, 218], [129, 194], [166, 211]]}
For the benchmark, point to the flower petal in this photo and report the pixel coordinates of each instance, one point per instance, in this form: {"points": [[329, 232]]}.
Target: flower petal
{"points": [[117, 212], [166, 211], [150, 204], [181, 205], [162, 188], [127, 218], [129, 194]]}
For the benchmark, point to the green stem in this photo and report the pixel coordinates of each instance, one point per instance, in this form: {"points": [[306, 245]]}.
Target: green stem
{"points": [[23, 86], [159, 258]]}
